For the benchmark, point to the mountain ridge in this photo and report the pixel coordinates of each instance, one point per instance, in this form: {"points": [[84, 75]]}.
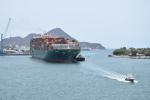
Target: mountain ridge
{"points": [[57, 32]]}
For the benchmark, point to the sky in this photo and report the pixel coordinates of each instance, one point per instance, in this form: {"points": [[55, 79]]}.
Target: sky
{"points": [[113, 23]]}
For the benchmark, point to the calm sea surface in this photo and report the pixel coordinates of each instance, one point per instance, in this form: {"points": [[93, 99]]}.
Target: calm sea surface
{"points": [[98, 78]]}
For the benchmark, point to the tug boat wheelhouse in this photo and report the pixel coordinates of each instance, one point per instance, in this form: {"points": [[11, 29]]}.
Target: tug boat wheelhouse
{"points": [[130, 78]]}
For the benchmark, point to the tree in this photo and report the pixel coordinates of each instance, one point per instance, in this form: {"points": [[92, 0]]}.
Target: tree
{"points": [[147, 52], [121, 51]]}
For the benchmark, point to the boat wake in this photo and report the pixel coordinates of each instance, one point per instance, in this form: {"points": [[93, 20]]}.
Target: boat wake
{"points": [[109, 74], [116, 76]]}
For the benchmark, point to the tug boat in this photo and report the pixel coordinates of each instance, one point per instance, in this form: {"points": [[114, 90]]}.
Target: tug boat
{"points": [[80, 58], [130, 78]]}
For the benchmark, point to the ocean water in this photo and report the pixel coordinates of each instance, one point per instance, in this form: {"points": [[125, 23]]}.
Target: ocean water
{"points": [[97, 78]]}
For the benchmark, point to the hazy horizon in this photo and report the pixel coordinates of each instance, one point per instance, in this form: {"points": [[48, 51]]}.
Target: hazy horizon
{"points": [[113, 23]]}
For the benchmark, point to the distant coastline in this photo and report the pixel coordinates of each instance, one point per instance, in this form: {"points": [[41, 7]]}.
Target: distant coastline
{"points": [[24, 42], [133, 53]]}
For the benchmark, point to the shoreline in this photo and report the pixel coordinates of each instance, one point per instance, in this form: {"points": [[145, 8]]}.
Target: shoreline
{"points": [[132, 57]]}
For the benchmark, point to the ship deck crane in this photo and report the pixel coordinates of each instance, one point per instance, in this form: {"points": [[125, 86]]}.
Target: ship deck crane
{"points": [[6, 29]]}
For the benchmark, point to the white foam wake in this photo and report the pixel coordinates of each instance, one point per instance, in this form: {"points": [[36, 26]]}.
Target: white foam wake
{"points": [[108, 74], [116, 76]]}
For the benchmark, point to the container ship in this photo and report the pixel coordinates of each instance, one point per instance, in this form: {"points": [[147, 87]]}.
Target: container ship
{"points": [[54, 49]]}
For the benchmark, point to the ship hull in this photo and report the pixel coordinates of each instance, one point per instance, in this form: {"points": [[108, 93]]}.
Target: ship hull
{"points": [[63, 55]]}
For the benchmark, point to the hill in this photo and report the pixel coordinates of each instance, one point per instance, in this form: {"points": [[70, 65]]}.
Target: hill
{"points": [[58, 32]]}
